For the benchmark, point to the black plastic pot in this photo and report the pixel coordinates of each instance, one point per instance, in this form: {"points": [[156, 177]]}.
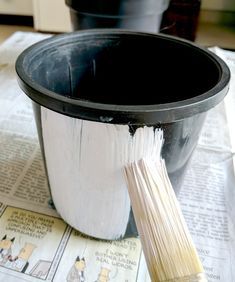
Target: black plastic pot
{"points": [[115, 77], [142, 15]]}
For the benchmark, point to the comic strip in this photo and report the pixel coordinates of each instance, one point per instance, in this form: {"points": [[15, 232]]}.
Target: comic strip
{"points": [[29, 241], [86, 259]]}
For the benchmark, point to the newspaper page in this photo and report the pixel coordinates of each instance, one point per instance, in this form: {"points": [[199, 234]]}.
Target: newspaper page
{"points": [[37, 245], [208, 195]]}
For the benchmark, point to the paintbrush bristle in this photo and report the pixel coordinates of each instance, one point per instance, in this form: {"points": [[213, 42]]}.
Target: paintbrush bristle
{"points": [[167, 244]]}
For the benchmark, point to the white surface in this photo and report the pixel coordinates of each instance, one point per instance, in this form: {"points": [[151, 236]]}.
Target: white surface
{"points": [[16, 7], [51, 15], [85, 163]]}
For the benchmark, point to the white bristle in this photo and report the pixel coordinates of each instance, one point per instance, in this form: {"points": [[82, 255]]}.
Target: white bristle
{"points": [[168, 247]]}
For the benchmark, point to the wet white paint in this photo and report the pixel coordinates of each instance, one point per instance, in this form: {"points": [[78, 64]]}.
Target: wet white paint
{"points": [[85, 162]]}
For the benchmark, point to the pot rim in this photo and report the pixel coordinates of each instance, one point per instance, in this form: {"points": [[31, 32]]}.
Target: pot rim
{"points": [[120, 114], [124, 8]]}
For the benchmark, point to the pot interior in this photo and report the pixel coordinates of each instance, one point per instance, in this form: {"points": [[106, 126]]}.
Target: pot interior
{"points": [[127, 70]]}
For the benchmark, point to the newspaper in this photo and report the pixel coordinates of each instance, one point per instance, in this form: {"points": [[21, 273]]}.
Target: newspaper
{"points": [[37, 245]]}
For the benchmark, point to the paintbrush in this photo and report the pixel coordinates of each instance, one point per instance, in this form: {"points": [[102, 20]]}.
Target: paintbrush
{"points": [[167, 244]]}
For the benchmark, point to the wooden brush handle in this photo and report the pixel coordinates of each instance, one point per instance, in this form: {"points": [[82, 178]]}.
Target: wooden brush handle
{"points": [[200, 277]]}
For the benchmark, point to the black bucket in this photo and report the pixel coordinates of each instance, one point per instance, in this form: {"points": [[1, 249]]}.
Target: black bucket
{"points": [[93, 92], [141, 15]]}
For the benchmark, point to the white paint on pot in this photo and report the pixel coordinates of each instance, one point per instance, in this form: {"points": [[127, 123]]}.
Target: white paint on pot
{"points": [[85, 162]]}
